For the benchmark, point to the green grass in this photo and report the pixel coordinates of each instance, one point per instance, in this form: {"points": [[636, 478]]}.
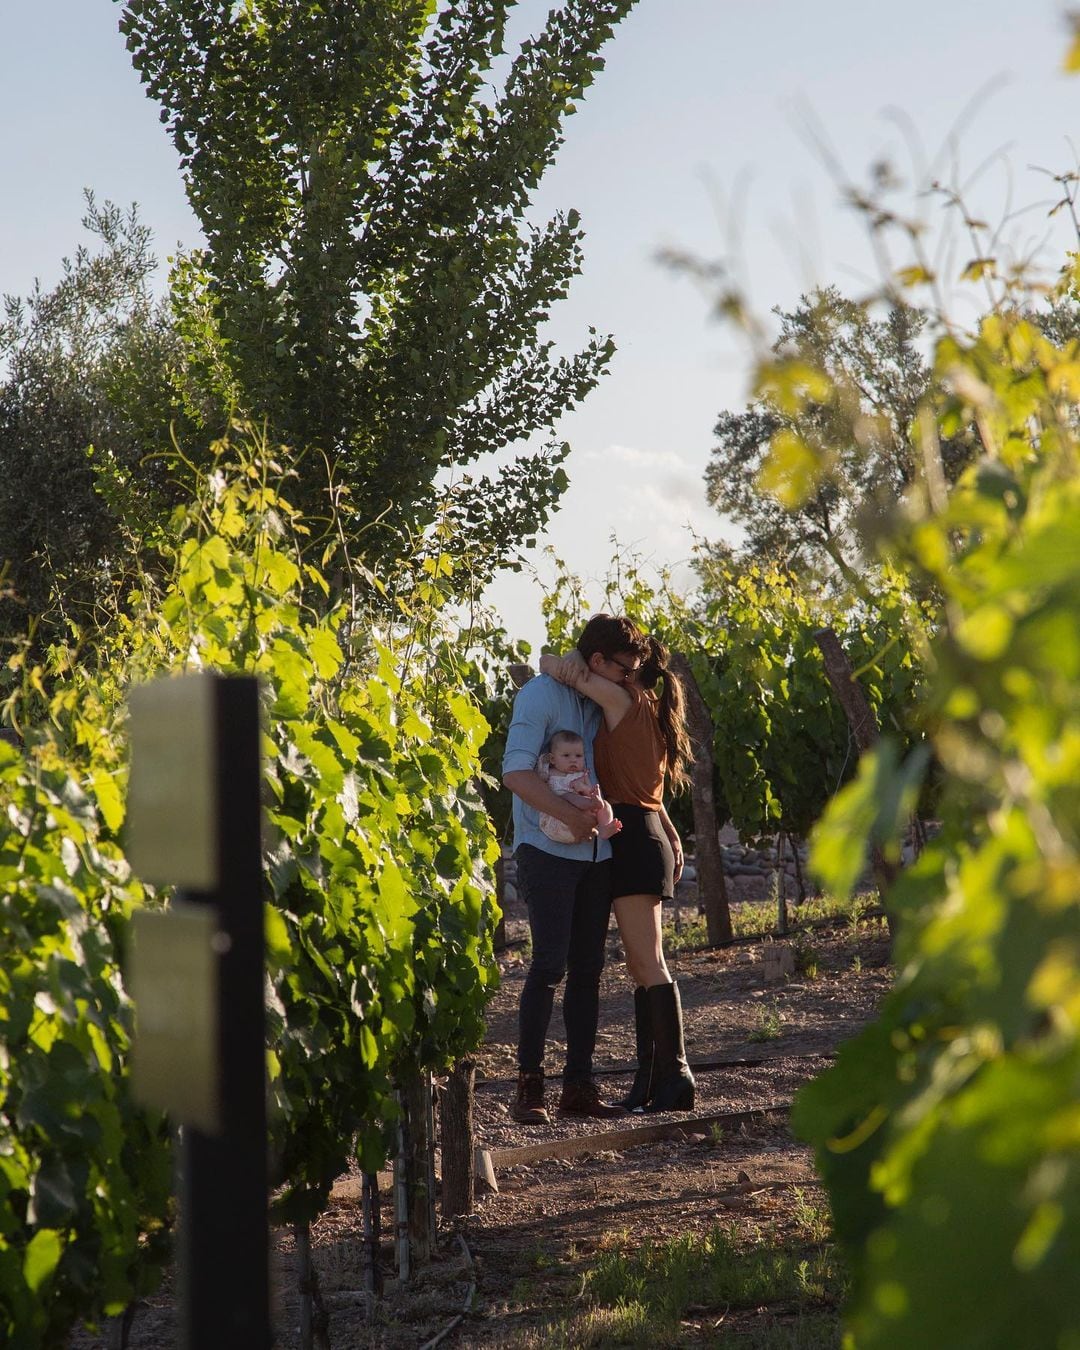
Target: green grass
{"points": [[812, 1215], [769, 1023], [807, 958], [756, 918], [689, 935], [753, 918], [640, 1297], [726, 1288]]}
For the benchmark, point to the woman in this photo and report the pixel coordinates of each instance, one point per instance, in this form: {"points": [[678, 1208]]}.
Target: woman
{"points": [[641, 742]]}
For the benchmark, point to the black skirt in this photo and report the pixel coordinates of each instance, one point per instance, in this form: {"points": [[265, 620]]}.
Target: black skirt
{"points": [[642, 862]]}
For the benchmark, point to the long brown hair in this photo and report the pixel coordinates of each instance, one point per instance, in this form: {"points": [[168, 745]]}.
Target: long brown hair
{"points": [[671, 712]]}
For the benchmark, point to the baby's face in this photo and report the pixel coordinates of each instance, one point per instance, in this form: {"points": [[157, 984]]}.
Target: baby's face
{"points": [[568, 757]]}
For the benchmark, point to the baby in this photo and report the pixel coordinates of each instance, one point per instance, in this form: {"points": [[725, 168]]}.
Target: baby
{"points": [[562, 767]]}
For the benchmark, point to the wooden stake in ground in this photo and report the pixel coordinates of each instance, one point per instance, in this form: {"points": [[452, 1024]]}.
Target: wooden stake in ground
{"points": [[402, 1246], [712, 889], [456, 1119], [371, 1218], [781, 889], [416, 1224], [800, 883], [864, 728], [314, 1318]]}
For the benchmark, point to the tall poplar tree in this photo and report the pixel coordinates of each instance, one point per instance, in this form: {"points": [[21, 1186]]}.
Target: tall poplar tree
{"points": [[362, 171]]}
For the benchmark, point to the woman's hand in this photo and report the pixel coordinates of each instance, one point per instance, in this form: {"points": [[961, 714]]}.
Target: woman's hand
{"points": [[675, 842], [569, 669]]}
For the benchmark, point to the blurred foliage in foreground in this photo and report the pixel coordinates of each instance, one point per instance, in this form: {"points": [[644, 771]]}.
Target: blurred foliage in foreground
{"points": [[948, 1132]]}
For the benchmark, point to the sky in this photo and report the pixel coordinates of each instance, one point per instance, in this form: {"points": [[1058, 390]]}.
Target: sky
{"points": [[703, 135]]}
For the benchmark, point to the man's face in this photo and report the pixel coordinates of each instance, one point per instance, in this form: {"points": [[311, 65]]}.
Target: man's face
{"points": [[617, 668]]}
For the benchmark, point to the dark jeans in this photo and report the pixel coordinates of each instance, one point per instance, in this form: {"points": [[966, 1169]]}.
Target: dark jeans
{"points": [[569, 905]]}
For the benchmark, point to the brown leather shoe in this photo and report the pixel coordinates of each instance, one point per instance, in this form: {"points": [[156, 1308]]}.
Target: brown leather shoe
{"points": [[527, 1108], [583, 1099]]}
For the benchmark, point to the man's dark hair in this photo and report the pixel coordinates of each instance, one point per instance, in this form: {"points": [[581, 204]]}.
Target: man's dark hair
{"points": [[609, 634]]}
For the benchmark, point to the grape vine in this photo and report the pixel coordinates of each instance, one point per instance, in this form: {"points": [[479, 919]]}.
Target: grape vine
{"points": [[378, 852]]}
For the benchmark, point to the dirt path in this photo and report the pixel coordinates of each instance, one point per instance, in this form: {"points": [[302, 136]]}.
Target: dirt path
{"points": [[531, 1245], [534, 1241], [535, 1238]]}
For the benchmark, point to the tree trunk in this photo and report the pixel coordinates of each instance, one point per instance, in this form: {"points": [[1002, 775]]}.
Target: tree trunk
{"points": [[303, 1284], [458, 1167], [707, 856], [847, 689], [918, 835], [314, 1318], [371, 1218], [415, 1217], [120, 1325], [781, 887], [800, 883], [429, 1160], [865, 729], [402, 1246]]}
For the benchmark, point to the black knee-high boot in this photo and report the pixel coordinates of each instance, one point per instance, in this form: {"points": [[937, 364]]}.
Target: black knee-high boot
{"points": [[673, 1083], [642, 1085]]}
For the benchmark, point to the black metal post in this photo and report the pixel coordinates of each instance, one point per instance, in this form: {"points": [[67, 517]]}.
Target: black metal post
{"points": [[224, 1224]]}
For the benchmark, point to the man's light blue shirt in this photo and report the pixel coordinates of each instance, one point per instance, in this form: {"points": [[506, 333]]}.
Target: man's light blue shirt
{"points": [[542, 707]]}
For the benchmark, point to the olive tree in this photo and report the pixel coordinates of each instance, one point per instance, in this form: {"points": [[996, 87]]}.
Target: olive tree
{"points": [[92, 378], [842, 391]]}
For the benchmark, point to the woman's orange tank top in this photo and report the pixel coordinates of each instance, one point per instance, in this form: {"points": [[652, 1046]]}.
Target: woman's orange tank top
{"points": [[632, 759]]}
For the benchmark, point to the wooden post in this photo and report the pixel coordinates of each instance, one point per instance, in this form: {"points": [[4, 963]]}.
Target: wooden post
{"points": [[431, 1219], [120, 1325], [707, 856], [402, 1248], [800, 883], [413, 1189], [224, 1222], [458, 1169], [314, 1318], [781, 888], [371, 1219], [195, 820], [864, 727]]}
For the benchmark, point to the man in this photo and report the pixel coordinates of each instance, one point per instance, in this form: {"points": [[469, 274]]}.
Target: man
{"points": [[566, 887]]}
